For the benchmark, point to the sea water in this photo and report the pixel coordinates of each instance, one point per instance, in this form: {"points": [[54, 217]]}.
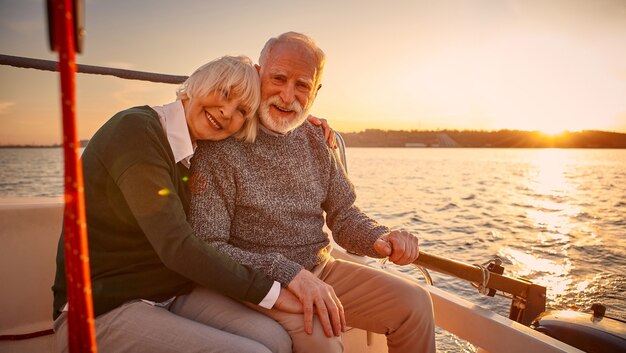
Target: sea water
{"points": [[554, 216]]}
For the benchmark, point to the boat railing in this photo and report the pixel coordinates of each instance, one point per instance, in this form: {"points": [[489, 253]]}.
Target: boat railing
{"points": [[51, 65], [528, 300]]}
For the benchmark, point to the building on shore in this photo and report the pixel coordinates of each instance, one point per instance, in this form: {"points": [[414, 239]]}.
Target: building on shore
{"points": [[446, 141]]}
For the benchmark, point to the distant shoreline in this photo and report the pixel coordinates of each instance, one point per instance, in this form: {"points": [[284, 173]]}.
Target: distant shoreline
{"points": [[461, 139], [484, 139], [83, 143], [30, 146], [349, 146]]}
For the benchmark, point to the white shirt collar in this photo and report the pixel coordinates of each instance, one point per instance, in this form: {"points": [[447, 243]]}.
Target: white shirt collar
{"points": [[172, 117]]}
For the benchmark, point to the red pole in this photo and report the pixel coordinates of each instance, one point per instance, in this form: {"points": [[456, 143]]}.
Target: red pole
{"points": [[81, 332]]}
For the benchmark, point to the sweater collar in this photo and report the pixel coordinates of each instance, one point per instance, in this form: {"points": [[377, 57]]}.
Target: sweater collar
{"points": [[276, 137]]}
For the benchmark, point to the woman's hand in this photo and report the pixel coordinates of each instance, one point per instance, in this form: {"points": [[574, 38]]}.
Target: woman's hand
{"points": [[288, 302], [329, 133]]}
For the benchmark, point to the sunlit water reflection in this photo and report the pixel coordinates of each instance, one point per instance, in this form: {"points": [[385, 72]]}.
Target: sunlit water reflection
{"points": [[556, 217]]}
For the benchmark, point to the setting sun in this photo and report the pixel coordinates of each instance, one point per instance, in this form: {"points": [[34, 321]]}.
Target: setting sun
{"points": [[552, 132]]}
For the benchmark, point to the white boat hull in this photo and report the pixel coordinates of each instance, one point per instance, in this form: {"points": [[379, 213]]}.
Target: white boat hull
{"points": [[29, 231]]}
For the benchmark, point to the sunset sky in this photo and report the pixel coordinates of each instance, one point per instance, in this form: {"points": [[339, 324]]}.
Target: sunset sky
{"points": [[416, 64]]}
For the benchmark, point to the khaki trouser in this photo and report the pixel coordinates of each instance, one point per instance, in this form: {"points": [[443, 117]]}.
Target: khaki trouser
{"points": [[373, 300], [201, 321]]}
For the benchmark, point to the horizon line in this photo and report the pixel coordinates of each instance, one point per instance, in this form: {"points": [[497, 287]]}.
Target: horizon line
{"points": [[547, 135]]}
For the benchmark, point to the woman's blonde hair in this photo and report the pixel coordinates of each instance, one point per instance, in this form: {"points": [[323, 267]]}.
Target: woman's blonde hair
{"points": [[235, 75]]}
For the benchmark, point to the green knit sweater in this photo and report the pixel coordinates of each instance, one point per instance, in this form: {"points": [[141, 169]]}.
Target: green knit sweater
{"points": [[140, 243]]}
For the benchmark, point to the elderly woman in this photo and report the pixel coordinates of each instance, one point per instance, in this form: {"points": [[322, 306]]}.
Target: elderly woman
{"points": [[156, 286]]}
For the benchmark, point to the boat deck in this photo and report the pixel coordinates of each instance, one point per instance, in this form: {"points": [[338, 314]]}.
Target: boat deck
{"points": [[29, 232]]}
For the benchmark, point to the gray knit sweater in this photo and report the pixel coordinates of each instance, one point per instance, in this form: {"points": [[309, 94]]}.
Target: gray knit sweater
{"points": [[262, 203]]}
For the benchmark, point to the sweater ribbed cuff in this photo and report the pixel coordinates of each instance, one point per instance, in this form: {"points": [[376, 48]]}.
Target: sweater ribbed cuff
{"points": [[287, 270]]}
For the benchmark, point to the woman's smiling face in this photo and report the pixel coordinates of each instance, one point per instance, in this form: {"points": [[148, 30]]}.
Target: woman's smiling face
{"points": [[215, 116]]}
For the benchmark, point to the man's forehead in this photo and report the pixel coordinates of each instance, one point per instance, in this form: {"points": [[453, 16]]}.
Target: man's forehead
{"points": [[291, 57], [288, 70]]}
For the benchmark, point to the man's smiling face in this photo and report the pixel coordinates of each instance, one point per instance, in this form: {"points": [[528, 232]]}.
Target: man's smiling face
{"points": [[288, 79]]}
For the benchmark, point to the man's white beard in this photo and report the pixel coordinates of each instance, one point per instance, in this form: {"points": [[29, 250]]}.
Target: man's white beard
{"points": [[281, 125]]}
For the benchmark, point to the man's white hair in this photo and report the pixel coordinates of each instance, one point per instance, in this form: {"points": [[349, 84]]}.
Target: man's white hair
{"points": [[300, 39]]}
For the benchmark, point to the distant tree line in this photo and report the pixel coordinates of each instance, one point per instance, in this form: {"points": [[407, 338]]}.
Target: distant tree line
{"points": [[83, 143], [464, 138], [474, 138]]}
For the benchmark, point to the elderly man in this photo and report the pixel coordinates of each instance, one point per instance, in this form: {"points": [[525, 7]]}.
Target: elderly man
{"points": [[263, 205]]}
